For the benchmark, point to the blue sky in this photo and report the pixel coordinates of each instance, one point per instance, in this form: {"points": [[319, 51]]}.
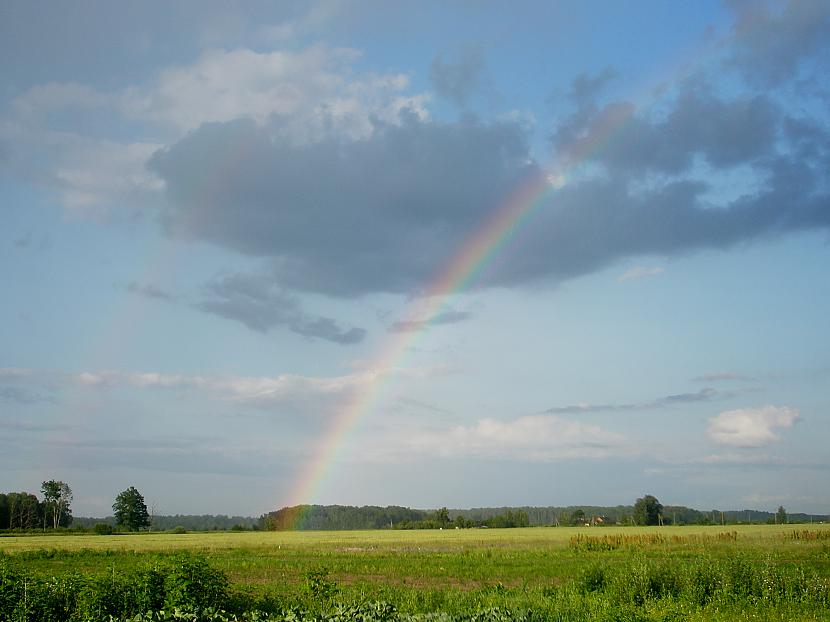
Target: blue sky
{"points": [[216, 218]]}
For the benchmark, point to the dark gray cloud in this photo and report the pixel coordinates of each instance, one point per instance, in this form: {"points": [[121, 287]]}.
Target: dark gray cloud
{"points": [[389, 212], [259, 305], [446, 317], [457, 81], [148, 290], [704, 395], [724, 132], [343, 217], [771, 43]]}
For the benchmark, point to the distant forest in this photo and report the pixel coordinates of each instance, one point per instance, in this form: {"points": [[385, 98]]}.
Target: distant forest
{"points": [[333, 517], [341, 517], [189, 522]]}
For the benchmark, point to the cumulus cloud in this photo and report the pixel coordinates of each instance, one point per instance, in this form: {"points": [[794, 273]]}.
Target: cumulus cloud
{"points": [[725, 132], [386, 213], [751, 427], [343, 217], [312, 90], [639, 272], [259, 305], [538, 438]]}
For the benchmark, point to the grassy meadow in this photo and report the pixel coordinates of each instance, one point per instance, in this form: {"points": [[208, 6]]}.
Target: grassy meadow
{"points": [[745, 572]]}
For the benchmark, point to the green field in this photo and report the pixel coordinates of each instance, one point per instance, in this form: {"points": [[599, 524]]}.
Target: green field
{"points": [[632, 573]]}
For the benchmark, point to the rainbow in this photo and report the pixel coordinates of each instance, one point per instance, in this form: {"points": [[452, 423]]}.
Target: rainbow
{"points": [[466, 265]]}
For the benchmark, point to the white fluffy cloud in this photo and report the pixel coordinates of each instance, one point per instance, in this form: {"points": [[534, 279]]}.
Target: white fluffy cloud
{"points": [[309, 93], [538, 438], [751, 427], [314, 91]]}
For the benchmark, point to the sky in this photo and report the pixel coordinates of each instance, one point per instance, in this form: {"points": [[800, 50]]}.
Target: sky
{"points": [[460, 254]]}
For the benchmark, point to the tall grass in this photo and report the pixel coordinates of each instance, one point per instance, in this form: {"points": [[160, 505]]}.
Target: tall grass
{"points": [[641, 589]]}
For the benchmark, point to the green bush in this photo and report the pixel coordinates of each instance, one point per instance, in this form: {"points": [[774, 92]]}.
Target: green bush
{"points": [[103, 529], [192, 582]]}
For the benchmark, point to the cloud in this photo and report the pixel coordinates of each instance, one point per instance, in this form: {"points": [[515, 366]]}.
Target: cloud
{"points": [[772, 45], [725, 376], [19, 395], [290, 393], [388, 212], [258, 304], [93, 177], [312, 90], [724, 132], [343, 217], [457, 81], [536, 438], [704, 395], [11, 373], [445, 317], [639, 272], [748, 427], [149, 290]]}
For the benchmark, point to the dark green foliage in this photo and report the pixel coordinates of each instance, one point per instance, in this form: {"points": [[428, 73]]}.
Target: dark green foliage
{"points": [[188, 588], [103, 529], [4, 511], [647, 510], [23, 511], [192, 582], [592, 579], [319, 585], [337, 517], [183, 582], [130, 510]]}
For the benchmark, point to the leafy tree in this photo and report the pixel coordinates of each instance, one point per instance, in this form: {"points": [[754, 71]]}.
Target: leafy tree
{"points": [[25, 511], [57, 496], [781, 515], [130, 510], [578, 517], [4, 511], [647, 510], [442, 516]]}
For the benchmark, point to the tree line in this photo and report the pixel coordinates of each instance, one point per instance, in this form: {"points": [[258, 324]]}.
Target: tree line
{"points": [[24, 510], [646, 510]]}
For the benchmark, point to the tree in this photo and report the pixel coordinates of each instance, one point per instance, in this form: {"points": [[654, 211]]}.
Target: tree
{"points": [[57, 496], [781, 515], [25, 511], [4, 511], [647, 511], [442, 517], [130, 510]]}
